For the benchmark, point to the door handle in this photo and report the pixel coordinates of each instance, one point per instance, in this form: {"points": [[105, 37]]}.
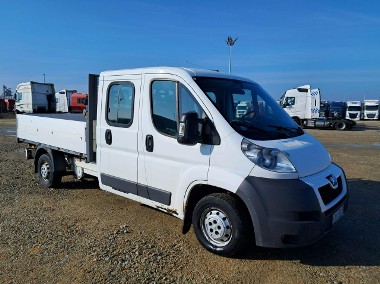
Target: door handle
{"points": [[108, 137], [149, 143]]}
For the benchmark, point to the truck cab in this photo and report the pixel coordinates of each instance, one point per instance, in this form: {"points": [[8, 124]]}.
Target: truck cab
{"points": [[337, 110], [371, 109], [302, 103], [34, 97], [354, 110]]}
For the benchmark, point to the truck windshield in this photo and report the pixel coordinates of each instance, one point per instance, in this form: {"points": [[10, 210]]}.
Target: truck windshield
{"points": [[371, 108], [249, 109], [354, 108]]}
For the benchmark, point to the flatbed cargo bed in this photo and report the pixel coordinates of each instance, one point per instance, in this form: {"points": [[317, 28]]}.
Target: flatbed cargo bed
{"points": [[62, 131]]}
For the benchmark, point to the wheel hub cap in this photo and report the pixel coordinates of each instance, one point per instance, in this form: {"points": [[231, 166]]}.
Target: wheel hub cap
{"points": [[45, 171], [217, 227]]}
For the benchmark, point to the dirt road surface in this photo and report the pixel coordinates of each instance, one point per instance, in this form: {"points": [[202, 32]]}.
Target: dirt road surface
{"points": [[80, 234]]}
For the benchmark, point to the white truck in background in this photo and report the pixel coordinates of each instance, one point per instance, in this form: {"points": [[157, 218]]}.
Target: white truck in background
{"points": [[32, 97], [171, 138], [63, 99], [303, 106], [354, 110], [371, 109]]}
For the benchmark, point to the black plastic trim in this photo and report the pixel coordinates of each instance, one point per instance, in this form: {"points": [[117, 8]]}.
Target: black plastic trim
{"points": [[285, 213], [126, 186]]}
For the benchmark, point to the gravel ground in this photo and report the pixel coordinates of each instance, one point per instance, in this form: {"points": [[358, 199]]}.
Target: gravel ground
{"points": [[80, 234]]}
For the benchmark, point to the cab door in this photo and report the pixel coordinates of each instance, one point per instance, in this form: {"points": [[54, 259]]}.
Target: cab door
{"points": [[170, 168], [117, 135]]}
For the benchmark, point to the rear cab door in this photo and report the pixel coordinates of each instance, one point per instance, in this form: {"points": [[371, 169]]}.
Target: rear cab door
{"points": [[117, 134]]}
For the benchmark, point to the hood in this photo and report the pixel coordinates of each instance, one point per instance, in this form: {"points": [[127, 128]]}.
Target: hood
{"points": [[305, 152]]}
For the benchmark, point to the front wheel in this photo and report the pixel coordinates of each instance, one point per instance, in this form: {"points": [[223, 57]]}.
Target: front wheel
{"points": [[220, 224], [46, 173]]}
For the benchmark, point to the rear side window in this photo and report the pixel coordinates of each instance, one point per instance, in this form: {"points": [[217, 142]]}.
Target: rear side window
{"points": [[120, 100]]}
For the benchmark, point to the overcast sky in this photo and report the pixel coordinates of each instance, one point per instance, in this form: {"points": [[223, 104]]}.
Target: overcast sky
{"points": [[331, 45]]}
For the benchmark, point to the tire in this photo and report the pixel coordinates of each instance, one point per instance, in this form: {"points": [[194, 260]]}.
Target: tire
{"points": [[297, 121], [47, 175], [340, 125], [220, 225]]}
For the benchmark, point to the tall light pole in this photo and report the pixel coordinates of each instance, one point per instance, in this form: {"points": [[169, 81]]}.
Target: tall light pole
{"points": [[44, 77], [230, 43]]}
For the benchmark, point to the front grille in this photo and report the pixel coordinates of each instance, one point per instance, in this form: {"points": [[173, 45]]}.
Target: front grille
{"points": [[353, 115], [328, 194], [371, 115]]}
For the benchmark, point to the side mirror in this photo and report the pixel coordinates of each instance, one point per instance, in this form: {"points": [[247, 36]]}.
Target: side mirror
{"points": [[210, 135], [284, 105], [188, 129]]}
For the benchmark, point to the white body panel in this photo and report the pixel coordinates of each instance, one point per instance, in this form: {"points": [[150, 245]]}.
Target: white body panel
{"points": [[371, 109], [60, 133]]}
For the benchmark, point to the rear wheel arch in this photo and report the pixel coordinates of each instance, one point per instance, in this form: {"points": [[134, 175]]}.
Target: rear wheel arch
{"points": [[48, 176]]}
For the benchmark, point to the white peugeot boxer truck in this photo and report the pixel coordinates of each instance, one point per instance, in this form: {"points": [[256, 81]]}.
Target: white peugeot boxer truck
{"points": [[174, 139]]}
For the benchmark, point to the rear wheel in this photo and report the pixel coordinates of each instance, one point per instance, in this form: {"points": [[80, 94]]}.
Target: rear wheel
{"points": [[220, 224], [47, 175], [340, 125]]}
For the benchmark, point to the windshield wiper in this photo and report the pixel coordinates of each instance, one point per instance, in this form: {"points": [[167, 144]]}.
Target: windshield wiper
{"points": [[247, 125], [287, 129]]}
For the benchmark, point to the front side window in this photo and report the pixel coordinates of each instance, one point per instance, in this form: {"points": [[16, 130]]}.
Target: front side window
{"points": [[249, 109], [120, 104], [81, 100], [290, 101], [18, 97], [167, 97]]}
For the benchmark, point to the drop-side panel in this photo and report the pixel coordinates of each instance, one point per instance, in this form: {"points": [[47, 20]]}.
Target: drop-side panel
{"points": [[63, 131]]}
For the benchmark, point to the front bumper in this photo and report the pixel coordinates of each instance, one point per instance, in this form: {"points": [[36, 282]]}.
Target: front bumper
{"points": [[290, 213]]}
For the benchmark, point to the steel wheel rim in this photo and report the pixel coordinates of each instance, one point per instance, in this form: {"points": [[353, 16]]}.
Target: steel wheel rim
{"points": [[45, 171], [216, 227]]}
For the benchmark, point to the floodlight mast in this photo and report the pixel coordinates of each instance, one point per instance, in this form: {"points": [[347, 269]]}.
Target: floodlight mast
{"points": [[230, 42]]}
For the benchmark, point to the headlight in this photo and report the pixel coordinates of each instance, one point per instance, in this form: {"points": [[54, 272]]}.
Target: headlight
{"points": [[267, 158]]}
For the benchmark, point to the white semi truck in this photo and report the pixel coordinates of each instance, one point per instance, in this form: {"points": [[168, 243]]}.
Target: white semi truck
{"points": [[303, 106], [34, 97], [354, 110], [171, 138], [371, 109]]}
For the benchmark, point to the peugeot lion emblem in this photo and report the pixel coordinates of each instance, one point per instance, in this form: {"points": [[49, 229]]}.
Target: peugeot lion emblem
{"points": [[333, 181]]}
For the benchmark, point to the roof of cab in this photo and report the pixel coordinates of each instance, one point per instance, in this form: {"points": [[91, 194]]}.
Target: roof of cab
{"points": [[181, 71]]}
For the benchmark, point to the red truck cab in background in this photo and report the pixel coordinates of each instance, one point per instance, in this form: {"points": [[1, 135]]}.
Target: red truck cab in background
{"points": [[78, 102]]}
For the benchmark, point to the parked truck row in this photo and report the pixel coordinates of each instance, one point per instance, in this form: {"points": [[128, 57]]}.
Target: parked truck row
{"points": [[35, 97], [212, 149]]}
